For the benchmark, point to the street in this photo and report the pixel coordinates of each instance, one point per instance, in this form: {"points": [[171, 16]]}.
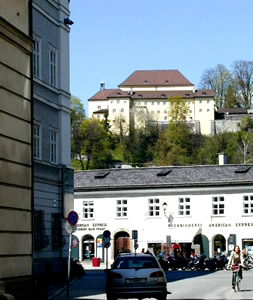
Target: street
{"points": [[197, 285]]}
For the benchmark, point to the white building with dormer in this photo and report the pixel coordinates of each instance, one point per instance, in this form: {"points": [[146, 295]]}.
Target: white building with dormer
{"points": [[206, 209], [145, 95]]}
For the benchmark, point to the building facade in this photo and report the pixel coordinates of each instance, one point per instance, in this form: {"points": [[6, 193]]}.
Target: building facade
{"points": [[15, 146], [205, 209], [53, 177], [144, 96]]}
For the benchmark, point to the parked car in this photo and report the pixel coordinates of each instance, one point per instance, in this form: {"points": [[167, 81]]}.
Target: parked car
{"points": [[136, 276]]}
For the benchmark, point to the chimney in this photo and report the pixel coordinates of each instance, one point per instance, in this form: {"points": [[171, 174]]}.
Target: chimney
{"points": [[102, 85], [222, 159]]}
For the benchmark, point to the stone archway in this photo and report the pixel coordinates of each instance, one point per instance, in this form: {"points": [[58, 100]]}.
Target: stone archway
{"points": [[202, 243], [121, 243], [88, 247], [219, 244]]}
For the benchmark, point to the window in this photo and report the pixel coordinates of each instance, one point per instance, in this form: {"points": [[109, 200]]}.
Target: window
{"points": [[36, 57], [164, 103], [114, 110], [200, 110], [53, 146], [41, 239], [200, 101], [118, 101], [218, 206], [122, 110], [184, 207], [248, 204], [52, 66], [158, 112], [88, 209], [165, 111], [121, 210], [58, 240], [208, 110], [99, 106], [153, 207], [208, 101], [36, 142], [158, 103], [152, 112], [152, 103], [165, 118], [145, 103]]}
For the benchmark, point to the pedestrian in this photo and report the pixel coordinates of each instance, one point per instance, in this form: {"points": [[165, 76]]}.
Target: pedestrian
{"points": [[143, 250], [236, 258]]}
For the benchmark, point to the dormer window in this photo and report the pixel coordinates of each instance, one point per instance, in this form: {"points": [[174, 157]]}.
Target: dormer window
{"points": [[118, 94], [187, 95], [203, 93], [139, 95], [163, 95], [167, 81], [145, 81]]}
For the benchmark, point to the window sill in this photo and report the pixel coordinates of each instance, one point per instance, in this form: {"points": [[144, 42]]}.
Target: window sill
{"points": [[218, 216], [247, 215]]}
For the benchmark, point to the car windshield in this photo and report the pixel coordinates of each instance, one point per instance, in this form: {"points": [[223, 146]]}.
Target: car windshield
{"points": [[135, 262]]}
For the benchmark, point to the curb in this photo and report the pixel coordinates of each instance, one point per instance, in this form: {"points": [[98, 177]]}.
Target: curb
{"points": [[60, 291]]}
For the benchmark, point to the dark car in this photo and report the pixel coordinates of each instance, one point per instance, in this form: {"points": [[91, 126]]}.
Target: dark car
{"points": [[136, 276]]}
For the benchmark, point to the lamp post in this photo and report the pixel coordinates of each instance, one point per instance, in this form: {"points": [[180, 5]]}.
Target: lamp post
{"points": [[170, 221], [170, 216]]}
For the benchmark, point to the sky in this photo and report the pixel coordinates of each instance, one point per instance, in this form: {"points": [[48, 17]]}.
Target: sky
{"points": [[110, 39]]}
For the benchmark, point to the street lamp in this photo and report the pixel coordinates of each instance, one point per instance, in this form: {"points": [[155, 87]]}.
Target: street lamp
{"points": [[169, 217]]}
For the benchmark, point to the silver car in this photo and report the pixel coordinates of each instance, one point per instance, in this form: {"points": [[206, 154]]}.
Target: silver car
{"points": [[136, 276]]}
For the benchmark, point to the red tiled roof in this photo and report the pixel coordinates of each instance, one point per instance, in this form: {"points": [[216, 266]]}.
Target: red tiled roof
{"points": [[157, 78], [104, 94], [169, 94], [204, 93]]}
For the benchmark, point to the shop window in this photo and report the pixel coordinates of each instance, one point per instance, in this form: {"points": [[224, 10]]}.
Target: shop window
{"points": [[58, 240], [153, 207], [184, 207], [121, 209], [218, 206], [88, 209], [248, 204]]}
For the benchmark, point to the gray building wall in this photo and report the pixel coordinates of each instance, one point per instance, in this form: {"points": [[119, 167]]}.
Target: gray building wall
{"points": [[51, 111], [15, 147]]}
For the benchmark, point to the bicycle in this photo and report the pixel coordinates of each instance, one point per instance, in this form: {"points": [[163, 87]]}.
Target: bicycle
{"points": [[236, 280]]}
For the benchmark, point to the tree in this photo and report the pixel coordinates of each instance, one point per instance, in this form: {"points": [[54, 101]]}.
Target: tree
{"points": [[231, 98], [179, 109], [95, 143], [218, 79], [77, 116], [243, 76]]}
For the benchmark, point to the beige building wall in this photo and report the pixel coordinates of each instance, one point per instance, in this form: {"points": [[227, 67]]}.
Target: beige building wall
{"points": [[15, 141]]}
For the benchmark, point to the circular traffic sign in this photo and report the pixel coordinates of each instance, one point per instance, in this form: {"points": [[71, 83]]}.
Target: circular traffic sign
{"points": [[106, 233], [72, 218]]}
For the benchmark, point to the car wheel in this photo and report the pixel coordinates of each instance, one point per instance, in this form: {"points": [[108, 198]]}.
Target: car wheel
{"points": [[110, 297], [162, 297]]}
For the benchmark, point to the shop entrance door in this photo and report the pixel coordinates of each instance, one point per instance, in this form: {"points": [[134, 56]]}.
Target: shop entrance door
{"points": [[219, 245], [88, 247]]}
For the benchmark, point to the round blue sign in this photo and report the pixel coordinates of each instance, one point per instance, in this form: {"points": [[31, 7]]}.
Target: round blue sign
{"points": [[72, 218]]}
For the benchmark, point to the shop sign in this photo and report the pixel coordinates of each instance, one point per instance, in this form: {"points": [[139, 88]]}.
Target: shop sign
{"points": [[91, 227], [199, 225]]}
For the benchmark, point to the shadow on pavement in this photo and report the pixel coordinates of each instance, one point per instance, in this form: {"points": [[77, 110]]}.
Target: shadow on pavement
{"points": [[180, 275]]}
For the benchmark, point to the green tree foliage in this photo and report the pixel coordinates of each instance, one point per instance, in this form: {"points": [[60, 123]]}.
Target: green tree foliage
{"points": [[179, 109], [95, 144], [77, 116]]}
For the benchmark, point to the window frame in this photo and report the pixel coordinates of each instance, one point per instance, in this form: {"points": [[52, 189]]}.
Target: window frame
{"points": [[121, 208], [250, 205], [38, 141], [154, 207], [37, 40], [53, 146], [89, 208], [218, 208], [52, 75], [183, 209]]}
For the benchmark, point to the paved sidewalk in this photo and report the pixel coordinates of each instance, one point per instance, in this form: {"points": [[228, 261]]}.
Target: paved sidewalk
{"points": [[55, 289]]}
